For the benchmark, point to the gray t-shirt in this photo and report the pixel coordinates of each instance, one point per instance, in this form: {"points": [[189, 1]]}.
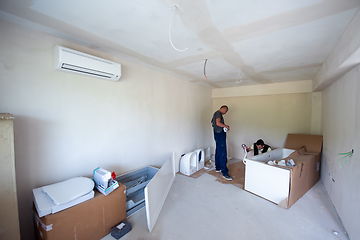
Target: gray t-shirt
{"points": [[216, 115]]}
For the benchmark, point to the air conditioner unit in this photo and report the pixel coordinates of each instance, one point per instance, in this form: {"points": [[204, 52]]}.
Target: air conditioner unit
{"points": [[77, 62]]}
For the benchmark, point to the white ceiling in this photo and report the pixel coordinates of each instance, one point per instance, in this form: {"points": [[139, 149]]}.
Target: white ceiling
{"points": [[261, 41]]}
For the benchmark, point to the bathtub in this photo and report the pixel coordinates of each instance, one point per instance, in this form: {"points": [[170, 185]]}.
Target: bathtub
{"points": [[267, 181]]}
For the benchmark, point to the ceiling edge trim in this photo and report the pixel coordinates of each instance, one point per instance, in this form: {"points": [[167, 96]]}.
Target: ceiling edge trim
{"points": [[304, 86], [344, 56]]}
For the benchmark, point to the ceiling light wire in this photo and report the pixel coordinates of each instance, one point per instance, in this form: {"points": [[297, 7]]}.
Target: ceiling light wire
{"points": [[238, 78], [205, 70], [179, 50]]}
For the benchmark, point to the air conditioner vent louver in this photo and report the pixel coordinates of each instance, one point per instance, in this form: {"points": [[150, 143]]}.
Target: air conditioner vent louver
{"points": [[77, 62], [86, 70]]}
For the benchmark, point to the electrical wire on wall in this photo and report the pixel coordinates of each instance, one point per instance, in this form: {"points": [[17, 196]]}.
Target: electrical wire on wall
{"points": [[346, 156], [205, 69], [180, 50]]}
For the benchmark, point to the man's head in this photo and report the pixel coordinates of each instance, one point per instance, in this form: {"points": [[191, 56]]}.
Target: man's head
{"points": [[260, 144], [223, 109]]}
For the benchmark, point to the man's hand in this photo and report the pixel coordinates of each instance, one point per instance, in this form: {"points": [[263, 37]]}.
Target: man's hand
{"points": [[247, 149]]}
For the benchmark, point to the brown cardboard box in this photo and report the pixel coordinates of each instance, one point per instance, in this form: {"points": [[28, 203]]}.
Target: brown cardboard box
{"points": [[312, 146], [307, 158], [92, 219]]}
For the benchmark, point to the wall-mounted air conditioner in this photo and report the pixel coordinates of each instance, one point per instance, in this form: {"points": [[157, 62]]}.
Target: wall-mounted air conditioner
{"points": [[77, 62]]}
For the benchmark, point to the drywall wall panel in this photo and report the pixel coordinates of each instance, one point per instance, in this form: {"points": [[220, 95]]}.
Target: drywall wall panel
{"points": [[340, 126], [268, 117], [67, 125], [354, 188], [157, 190]]}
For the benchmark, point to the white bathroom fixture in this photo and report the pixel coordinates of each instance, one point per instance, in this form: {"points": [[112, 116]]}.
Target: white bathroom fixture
{"points": [[200, 159], [62, 195], [188, 163]]}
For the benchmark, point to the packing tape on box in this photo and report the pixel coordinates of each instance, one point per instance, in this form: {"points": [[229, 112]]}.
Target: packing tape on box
{"points": [[37, 220]]}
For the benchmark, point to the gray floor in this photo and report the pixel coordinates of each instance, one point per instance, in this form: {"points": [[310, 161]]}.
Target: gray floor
{"points": [[205, 209]]}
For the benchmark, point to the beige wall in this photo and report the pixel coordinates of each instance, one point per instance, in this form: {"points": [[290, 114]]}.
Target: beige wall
{"points": [[341, 130], [269, 117], [66, 125], [316, 113]]}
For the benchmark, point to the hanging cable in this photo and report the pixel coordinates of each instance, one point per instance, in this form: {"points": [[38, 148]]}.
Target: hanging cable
{"points": [[346, 156], [238, 78], [205, 69], [180, 50], [245, 152]]}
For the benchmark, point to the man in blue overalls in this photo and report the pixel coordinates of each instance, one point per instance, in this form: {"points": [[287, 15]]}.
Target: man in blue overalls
{"points": [[220, 129]]}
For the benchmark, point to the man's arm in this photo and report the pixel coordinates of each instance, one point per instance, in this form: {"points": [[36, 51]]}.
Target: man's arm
{"points": [[218, 123], [250, 148]]}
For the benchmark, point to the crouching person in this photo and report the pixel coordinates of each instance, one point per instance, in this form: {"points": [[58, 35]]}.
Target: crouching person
{"points": [[259, 147]]}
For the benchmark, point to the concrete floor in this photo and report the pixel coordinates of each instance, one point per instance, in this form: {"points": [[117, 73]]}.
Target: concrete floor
{"points": [[205, 209]]}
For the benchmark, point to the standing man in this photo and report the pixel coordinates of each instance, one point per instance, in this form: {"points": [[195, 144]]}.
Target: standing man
{"points": [[220, 139]]}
